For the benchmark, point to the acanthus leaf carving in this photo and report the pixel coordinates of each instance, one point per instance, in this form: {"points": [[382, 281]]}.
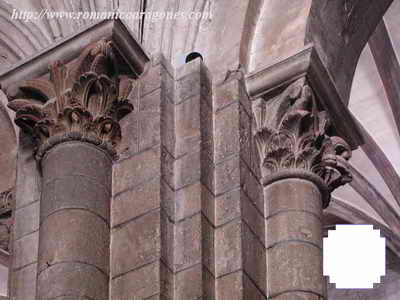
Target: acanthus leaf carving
{"points": [[293, 135], [83, 101]]}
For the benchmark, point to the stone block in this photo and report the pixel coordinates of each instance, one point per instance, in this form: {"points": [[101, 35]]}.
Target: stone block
{"points": [[222, 209], [208, 249], [227, 175], [77, 159], [252, 187], [26, 250], [135, 202], [187, 126], [182, 203], [26, 220], [184, 285], [192, 67], [227, 248], [245, 139], [23, 283], [187, 87], [253, 218], [86, 240], [254, 258], [151, 81], [71, 279], [181, 242], [226, 133], [293, 225], [141, 283], [230, 287], [181, 172], [28, 179], [149, 130], [294, 194], [251, 291], [135, 244], [226, 94], [75, 192], [136, 170], [295, 267], [129, 144]]}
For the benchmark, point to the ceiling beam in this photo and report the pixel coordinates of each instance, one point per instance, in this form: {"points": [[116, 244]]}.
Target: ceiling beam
{"points": [[375, 199], [388, 67], [381, 163]]}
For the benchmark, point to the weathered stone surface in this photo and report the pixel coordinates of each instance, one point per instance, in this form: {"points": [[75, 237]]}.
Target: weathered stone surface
{"points": [[226, 133], [75, 192], [294, 225], [253, 218], [182, 203], [86, 240], [151, 81], [140, 283], [185, 284], [135, 202], [181, 172], [181, 242], [250, 291], [222, 209], [26, 250], [72, 279], [136, 169], [254, 258], [224, 176], [297, 194], [226, 94], [252, 187], [228, 248], [135, 244], [23, 283], [295, 266], [149, 120], [28, 177], [26, 220], [77, 159], [230, 287]]}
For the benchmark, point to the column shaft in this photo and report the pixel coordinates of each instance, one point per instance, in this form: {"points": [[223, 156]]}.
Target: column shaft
{"points": [[74, 223], [294, 240]]}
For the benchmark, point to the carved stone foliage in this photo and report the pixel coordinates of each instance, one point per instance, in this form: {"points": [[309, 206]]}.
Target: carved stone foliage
{"points": [[6, 200], [293, 135], [81, 101]]}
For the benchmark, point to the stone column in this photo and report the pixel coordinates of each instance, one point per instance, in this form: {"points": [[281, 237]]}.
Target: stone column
{"points": [[76, 131], [301, 164]]}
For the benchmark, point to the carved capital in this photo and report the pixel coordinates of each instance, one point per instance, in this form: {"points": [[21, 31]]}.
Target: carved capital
{"points": [[294, 139], [84, 101]]}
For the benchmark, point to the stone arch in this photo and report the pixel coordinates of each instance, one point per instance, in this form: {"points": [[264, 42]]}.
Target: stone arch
{"points": [[276, 29]]}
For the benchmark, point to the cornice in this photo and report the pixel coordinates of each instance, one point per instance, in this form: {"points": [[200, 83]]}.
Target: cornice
{"points": [[306, 63], [130, 53]]}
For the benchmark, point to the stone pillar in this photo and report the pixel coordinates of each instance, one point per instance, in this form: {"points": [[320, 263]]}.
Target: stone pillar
{"points": [[75, 131], [74, 232], [301, 164]]}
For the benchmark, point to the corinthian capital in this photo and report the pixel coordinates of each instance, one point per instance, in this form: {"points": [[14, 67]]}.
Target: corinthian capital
{"points": [[83, 100], [294, 139]]}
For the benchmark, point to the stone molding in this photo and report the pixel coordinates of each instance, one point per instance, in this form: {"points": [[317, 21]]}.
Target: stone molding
{"points": [[294, 140], [307, 63]]}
